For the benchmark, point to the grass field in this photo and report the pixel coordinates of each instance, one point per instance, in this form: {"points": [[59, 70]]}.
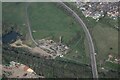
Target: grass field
{"points": [[106, 40], [48, 20], [14, 13]]}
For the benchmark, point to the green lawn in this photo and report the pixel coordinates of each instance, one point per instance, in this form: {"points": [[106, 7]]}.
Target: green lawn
{"points": [[48, 20], [105, 38], [14, 13]]}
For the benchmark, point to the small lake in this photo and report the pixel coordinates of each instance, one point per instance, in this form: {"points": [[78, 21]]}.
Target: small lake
{"points": [[10, 37]]}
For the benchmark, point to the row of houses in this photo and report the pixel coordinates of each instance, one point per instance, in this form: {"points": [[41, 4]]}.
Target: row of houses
{"points": [[99, 9]]}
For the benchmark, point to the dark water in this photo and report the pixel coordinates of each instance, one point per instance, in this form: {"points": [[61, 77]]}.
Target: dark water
{"points": [[10, 37]]}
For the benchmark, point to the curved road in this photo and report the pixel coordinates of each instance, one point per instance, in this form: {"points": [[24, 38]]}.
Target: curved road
{"points": [[28, 23], [90, 42]]}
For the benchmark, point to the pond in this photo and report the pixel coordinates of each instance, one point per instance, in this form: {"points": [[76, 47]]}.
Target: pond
{"points": [[10, 37]]}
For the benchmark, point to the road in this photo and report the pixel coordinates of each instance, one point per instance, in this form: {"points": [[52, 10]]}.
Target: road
{"points": [[89, 39], [28, 23]]}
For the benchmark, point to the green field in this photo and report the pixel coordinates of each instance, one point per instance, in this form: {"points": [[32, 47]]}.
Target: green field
{"points": [[49, 20], [106, 40], [14, 14]]}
